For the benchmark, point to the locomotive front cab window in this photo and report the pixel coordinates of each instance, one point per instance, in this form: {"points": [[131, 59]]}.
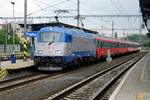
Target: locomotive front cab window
{"points": [[49, 37]]}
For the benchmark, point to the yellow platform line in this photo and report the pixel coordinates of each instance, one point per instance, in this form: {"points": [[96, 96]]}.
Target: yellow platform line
{"points": [[142, 73], [139, 96]]}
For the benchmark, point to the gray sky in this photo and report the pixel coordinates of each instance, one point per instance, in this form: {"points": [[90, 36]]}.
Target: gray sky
{"points": [[88, 7]]}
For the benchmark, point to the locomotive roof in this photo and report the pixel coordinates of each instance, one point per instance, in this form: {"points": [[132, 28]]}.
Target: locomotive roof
{"points": [[78, 32]]}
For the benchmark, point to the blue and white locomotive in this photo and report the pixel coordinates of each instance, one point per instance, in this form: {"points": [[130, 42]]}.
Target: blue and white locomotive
{"points": [[59, 47]]}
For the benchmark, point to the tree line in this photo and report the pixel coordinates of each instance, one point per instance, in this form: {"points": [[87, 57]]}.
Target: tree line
{"points": [[4, 36], [144, 40]]}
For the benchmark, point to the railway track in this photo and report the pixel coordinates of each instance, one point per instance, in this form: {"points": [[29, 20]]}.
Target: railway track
{"points": [[16, 82], [52, 83], [93, 87]]}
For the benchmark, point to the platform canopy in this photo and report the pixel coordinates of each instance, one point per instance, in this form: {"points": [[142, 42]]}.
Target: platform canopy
{"points": [[145, 9], [38, 26]]}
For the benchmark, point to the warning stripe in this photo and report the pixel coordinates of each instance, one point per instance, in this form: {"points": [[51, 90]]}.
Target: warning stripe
{"points": [[25, 49], [3, 73]]}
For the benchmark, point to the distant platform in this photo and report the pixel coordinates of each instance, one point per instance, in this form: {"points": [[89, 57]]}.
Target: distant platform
{"points": [[136, 83], [20, 64]]}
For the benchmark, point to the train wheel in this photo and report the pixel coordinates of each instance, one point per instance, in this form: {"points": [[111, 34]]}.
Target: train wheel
{"points": [[76, 62]]}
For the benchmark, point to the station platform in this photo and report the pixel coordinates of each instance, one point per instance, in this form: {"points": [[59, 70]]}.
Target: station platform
{"points": [[20, 64], [136, 83]]}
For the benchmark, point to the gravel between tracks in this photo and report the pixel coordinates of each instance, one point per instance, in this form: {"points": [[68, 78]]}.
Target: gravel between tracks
{"points": [[40, 90], [89, 91]]}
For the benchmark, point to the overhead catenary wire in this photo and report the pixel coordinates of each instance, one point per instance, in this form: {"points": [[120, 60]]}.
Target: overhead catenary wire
{"points": [[116, 7], [54, 6], [58, 4], [120, 5], [35, 1], [48, 6]]}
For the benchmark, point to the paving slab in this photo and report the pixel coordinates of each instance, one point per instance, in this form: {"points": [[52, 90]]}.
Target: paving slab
{"points": [[136, 83], [18, 65]]}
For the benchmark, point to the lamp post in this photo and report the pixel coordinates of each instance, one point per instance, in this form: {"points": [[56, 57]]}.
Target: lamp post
{"points": [[78, 12], [13, 3]]}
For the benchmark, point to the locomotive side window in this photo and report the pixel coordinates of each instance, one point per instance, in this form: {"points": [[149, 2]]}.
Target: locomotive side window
{"points": [[68, 38]]}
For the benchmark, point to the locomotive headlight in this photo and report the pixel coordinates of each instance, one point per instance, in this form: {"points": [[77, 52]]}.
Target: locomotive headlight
{"points": [[58, 52], [40, 52]]}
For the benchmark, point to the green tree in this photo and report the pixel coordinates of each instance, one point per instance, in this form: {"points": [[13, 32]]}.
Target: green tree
{"points": [[142, 39], [116, 35], [9, 41], [2, 36]]}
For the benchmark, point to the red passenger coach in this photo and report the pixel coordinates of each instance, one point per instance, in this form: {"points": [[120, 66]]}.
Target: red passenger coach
{"points": [[115, 46]]}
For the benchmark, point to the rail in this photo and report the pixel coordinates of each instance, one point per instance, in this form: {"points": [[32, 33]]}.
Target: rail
{"points": [[70, 90]]}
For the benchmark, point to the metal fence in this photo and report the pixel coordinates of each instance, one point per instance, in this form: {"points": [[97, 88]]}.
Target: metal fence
{"points": [[9, 48]]}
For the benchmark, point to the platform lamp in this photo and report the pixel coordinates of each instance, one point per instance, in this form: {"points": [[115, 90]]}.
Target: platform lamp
{"points": [[13, 3]]}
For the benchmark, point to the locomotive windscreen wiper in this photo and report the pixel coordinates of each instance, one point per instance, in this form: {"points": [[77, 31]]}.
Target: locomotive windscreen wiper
{"points": [[52, 41]]}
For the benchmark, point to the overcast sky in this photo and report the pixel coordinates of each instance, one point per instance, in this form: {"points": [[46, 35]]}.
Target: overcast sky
{"points": [[87, 7]]}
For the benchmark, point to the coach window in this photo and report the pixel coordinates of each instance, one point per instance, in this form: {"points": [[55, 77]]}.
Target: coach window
{"points": [[102, 44], [107, 44], [118, 45], [96, 43], [99, 43], [113, 44], [110, 45]]}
